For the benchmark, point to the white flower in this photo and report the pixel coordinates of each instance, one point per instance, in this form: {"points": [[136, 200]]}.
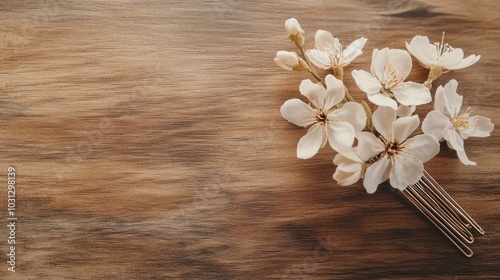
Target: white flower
{"points": [[328, 53], [350, 168], [439, 54], [337, 126], [287, 60], [397, 157], [451, 125], [389, 69]]}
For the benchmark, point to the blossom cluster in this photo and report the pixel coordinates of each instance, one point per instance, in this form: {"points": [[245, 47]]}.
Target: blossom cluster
{"points": [[383, 141]]}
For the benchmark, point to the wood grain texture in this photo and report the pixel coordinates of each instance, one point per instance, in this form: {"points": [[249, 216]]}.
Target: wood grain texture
{"points": [[148, 144]]}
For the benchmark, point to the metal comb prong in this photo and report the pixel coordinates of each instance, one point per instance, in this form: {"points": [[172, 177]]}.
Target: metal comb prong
{"points": [[428, 214], [459, 210], [442, 211]]}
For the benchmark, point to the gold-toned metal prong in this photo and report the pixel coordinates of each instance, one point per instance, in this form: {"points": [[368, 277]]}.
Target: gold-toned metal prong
{"points": [[458, 209], [443, 211]]}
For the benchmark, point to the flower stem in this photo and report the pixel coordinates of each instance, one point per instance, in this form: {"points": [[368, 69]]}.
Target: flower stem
{"points": [[347, 95], [316, 76], [311, 69], [434, 73], [339, 73], [368, 112]]}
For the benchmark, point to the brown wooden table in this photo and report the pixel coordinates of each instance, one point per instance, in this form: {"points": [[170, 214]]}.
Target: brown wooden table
{"points": [[148, 144]]}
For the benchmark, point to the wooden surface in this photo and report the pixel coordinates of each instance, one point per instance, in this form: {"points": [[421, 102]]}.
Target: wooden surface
{"points": [[148, 144]]}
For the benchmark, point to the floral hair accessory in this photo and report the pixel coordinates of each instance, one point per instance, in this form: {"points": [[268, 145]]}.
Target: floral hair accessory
{"points": [[382, 142]]}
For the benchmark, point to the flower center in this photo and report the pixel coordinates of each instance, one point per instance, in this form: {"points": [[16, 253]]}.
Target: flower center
{"points": [[334, 53], [391, 78], [392, 148], [442, 48], [321, 117], [462, 121]]}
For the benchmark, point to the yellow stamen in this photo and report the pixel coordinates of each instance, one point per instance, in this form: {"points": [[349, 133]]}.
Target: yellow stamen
{"points": [[462, 121]]}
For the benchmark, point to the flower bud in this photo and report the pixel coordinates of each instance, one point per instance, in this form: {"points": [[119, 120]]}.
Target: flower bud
{"points": [[293, 27], [294, 31], [289, 61]]}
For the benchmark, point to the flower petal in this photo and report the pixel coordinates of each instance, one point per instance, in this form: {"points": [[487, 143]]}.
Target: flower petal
{"points": [[335, 91], [479, 126], [352, 51], [403, 127], [292, 27], [319, 58], [376, 174], [349, 166], [423, 50], [348, 56], [456, 142], [349, 156], [282, 65], [368, 146], [298, 112], [316, 93], [379, 62], [436, 124], [351, 112], [406, 171], [466, 62], [286, 60], [452, 58], [358, 44], [324, 41], [382, 119], [439, 102], [452, 100], [344, 178], [405, 111], [383, 100], [411, 93], [423, 146], [391, 64], [340, 136], [310, 143], [366, 81], [324, 138], [400, 62]]}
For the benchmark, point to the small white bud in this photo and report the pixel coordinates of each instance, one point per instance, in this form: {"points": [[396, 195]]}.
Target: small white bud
{"points": [[294, 31], [293, 28], [287, 60]]}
